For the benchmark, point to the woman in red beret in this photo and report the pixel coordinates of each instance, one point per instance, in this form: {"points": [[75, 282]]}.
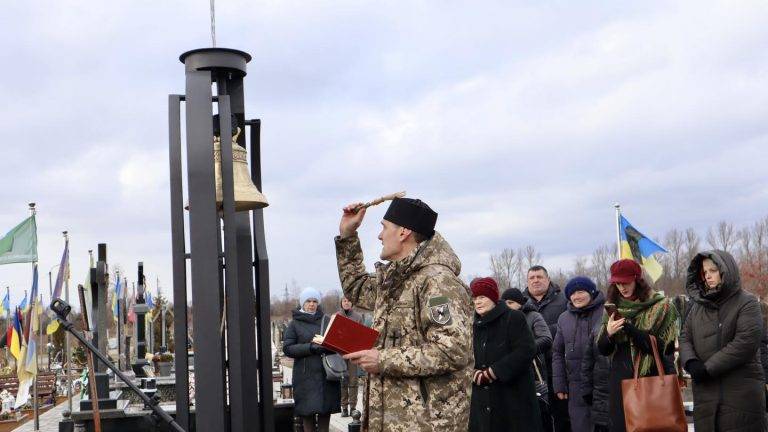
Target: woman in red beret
{"points": [[639, 313], [503, 391]]}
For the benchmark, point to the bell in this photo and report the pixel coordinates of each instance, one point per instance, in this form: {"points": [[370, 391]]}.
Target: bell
{"points": [[247, 195]]}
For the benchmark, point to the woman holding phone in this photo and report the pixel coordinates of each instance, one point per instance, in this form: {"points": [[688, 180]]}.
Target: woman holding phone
{"points": [[634, 312]]}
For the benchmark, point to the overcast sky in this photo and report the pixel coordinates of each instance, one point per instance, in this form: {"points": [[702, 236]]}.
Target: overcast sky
{"points": [[519, 123]]}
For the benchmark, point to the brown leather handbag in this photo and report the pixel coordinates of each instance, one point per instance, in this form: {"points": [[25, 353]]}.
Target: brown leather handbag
{"points": [[654, 403]]}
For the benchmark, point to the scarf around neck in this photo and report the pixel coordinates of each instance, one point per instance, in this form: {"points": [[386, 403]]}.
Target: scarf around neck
{"points": [[656, 316]]}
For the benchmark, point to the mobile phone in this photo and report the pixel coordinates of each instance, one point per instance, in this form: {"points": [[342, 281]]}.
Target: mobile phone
{"points": [[612, 311]]}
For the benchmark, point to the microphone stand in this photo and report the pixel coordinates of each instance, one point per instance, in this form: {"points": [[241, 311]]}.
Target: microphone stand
{"points": [[61, 308]]}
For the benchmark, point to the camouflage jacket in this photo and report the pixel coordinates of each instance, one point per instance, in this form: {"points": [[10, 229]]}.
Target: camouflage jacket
{"points": [[423, 313]]}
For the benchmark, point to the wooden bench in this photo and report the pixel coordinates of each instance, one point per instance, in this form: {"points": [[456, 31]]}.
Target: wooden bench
{"points": [[46, 384]]}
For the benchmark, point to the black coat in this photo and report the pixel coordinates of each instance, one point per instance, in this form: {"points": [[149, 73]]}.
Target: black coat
{"points": [[724, 330], [575, 330], [503, 342], [551, 306], [595, 369], [622, 367], [312, 393]]}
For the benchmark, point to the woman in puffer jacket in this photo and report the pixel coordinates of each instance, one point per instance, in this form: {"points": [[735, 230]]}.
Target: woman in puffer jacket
{"points": [[719, 347]]}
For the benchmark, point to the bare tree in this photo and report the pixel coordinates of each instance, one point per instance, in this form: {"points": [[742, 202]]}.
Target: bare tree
{"points": [[580, 266], [558, 277], [504, 268], [753, 258], [675, 256], [723, 236], [531, 256], [522, 277], [331, 301], [691, 245], [602, 258]]}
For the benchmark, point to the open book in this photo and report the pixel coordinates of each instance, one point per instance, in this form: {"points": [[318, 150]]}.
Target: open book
{"points": [[345, 336]]}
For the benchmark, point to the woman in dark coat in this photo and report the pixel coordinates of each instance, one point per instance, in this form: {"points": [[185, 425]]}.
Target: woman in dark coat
{"points": [[312, 393], [575, 328], [625, 334], [503, 392], [542, 337], [719, 347]]}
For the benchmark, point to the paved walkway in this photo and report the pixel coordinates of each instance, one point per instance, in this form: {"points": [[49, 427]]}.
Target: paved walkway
{"points": [[49, 420]]}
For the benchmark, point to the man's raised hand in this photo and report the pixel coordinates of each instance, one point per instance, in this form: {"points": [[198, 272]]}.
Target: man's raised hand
{"points": [[351, 219]]}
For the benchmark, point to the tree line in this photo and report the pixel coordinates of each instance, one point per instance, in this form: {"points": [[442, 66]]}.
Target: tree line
{"points": [[748, 244]]}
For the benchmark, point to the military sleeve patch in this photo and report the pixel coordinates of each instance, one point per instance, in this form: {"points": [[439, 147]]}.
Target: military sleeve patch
{"points": [[439, 310]]}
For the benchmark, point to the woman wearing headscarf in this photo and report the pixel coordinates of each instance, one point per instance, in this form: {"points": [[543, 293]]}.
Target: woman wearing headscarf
{"points": [[575, 330], [625, 334], [503, 392], [719, 347], [313, 394]]}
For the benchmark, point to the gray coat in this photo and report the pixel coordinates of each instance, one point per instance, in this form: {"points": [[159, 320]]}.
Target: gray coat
{"points": [[541, 334], [575, 332], [312, 393], [724, 330]]}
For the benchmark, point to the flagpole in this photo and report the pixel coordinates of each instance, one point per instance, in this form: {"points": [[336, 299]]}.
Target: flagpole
{"points": [[35, 406], [34, 380], [117, 317], [8, 324], [67, 351], [618, 230]]}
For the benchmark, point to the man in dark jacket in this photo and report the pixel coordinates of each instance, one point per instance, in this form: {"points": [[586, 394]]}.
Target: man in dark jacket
{"points": [[550, 303], [719, 347], [349, 382]]}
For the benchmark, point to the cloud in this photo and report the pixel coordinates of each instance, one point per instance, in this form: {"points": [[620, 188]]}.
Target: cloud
{"points": [[521, 123]]}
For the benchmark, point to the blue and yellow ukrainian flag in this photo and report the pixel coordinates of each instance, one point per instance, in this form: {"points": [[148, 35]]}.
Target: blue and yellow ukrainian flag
{"points": [[635, 245], [23, 305], [15, 342], [5, 306]]}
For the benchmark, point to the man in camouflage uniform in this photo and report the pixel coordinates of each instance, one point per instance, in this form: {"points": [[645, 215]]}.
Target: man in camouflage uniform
{"points": [[420, 370]]}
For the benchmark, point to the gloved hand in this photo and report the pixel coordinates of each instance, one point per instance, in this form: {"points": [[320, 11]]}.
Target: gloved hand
{"points": [[587, 398], [698, 371]]}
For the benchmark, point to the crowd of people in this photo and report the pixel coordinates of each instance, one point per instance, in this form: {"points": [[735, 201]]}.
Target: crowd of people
{"points": [[540, 358]]}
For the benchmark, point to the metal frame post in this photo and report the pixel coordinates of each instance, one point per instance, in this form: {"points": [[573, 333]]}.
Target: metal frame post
{"points": [[210, 413], [178, 247], [266, 409]]}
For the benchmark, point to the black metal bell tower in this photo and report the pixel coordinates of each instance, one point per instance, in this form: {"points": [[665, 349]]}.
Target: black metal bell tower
{"points": [[232, 350]]}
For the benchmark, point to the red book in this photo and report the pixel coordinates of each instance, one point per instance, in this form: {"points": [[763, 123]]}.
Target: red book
{"points": [[345, 336]]}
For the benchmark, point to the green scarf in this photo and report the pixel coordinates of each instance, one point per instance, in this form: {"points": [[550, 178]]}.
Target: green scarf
{"points": [[656, 316]]}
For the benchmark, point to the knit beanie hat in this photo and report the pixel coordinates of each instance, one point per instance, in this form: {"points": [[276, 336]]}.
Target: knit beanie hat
{"points": [[309, 293], [515, 295], [485, 287], [580, 283]]}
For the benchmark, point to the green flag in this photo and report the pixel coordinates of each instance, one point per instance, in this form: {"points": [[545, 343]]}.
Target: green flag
{"points": [[20, 244]]}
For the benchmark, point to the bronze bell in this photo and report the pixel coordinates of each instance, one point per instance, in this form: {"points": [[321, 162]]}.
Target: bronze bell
{"points": [[247, 195]]}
